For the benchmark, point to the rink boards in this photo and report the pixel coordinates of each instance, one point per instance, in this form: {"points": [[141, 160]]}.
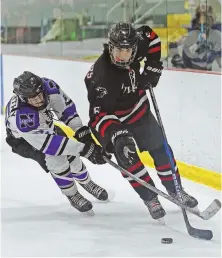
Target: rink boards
{"points": [[190, 106]]}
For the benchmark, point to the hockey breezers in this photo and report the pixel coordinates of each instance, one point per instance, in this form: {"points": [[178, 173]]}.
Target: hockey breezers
{"points": [[208, 213], [194, 232]]}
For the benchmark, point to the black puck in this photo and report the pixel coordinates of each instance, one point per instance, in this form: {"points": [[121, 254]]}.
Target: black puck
{"points": [[166, 240]]}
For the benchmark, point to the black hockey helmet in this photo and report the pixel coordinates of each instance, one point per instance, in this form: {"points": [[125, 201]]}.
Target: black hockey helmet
{"points": [[122, 35], [28, 86]]}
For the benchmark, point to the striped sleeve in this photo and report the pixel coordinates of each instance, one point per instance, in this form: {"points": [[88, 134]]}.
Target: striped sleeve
{"points": [[70, 116], [44, 140], [65, 110], [154, 48], [54, 145], [104, 121]]}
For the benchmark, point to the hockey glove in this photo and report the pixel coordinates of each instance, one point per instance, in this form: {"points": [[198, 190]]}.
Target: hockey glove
{"points": [[83, 134], [150, 75], [124, 148], [94, 153]]}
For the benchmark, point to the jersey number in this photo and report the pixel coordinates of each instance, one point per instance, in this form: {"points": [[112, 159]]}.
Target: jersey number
{"points": [[90, 72]]}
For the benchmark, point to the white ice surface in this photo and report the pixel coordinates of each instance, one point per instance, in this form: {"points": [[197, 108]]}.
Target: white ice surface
{"points": [[37, 220]]}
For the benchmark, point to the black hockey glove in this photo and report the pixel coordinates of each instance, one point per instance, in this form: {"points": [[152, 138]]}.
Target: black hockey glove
{"points": [[91, 151], [150, 75], [124, 148], [94, 153], [83, 134]]}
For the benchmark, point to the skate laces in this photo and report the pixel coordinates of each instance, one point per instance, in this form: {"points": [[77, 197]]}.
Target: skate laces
{"points": [[93, 188], [77, 199]]}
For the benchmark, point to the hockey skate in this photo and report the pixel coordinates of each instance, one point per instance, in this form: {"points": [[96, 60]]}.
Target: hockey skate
{"points": [[188, 200], [156, 210], [97, 191], [81, 203]]}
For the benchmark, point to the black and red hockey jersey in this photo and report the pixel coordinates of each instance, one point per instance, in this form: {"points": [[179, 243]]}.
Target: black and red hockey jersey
{"points": [[113, 93]]}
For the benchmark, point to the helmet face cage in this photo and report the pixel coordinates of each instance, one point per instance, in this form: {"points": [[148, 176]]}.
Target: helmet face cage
{"points": [[122, 36], [28, 87], [118, 62]]}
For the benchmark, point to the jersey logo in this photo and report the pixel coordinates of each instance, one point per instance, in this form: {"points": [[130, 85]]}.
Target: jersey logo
{"points": [[101, 92], [27, 120], [133, 84]]}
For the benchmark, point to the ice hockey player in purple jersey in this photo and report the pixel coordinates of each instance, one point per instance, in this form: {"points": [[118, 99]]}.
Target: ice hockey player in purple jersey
{"points": [[32, 134], [120, 114]]}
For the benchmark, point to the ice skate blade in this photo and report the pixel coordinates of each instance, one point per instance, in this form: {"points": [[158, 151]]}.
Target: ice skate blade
{"points": [[161, 221], [89, 213]]}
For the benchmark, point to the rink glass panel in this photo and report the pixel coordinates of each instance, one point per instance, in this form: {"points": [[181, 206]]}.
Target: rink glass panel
{"points": [[77, 29]]}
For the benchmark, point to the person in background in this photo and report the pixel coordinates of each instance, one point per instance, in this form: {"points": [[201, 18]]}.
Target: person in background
{"points": [[203, 44]]}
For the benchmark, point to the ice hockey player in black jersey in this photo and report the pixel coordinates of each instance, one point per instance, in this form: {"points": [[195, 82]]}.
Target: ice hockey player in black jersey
{"points": [[32, 134], [120, 115]]}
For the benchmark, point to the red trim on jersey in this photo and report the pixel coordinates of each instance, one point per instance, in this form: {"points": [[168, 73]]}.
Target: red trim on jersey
{"points": [[134, 167], [138, 116], [123, 112], [153, 50], [152, 35], [106, 125], [98, 118], [136, 184]]}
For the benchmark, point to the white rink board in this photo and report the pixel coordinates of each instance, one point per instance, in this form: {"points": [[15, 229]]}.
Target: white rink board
{"points": [[190, 104]]}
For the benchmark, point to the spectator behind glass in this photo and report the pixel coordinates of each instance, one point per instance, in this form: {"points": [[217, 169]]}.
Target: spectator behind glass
{"points": [[203, 44]]}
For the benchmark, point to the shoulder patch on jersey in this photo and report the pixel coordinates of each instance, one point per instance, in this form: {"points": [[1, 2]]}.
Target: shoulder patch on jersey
{"points": [[27, 119], [101, 92], [50, 86]]}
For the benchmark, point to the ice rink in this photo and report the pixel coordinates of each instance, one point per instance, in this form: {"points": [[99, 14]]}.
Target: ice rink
{"points": [[37, 220]]}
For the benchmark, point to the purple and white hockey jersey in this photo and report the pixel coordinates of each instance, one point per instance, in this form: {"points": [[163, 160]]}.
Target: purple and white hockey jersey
{"points": [[37, 127]]}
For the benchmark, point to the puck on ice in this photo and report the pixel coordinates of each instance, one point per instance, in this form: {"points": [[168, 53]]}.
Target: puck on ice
{"points": [[166, 240]]}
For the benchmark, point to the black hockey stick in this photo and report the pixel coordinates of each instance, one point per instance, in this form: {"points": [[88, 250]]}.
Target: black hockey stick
{"points": [[208, 213], [194, 232]]}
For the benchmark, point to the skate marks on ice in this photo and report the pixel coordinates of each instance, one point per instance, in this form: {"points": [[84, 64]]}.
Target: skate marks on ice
{"points": [[117, 229], [44, 224], [37, 220]]}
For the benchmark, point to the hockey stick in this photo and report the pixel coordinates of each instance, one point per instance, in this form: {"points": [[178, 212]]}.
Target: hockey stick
{"points": [[208, 213], [194, 232], [200, 36]]}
